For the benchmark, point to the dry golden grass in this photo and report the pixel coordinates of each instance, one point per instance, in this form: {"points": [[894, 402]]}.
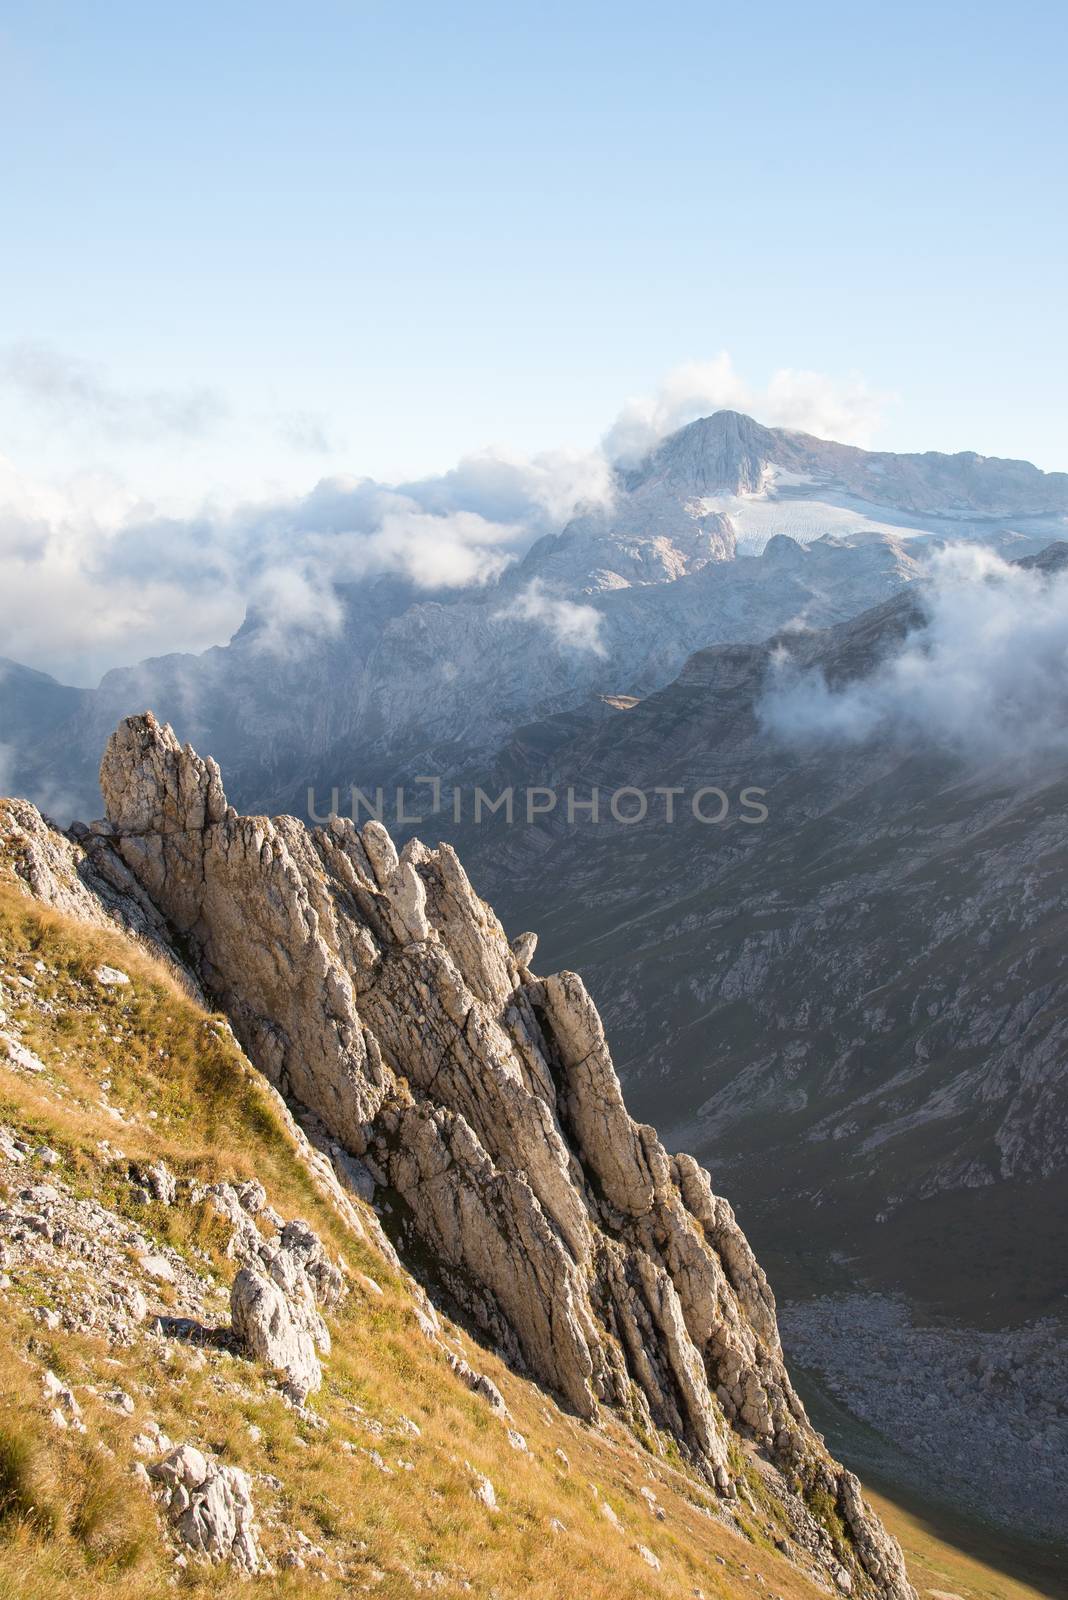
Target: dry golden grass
{"points": [[72, 1521], [948, 1557]]}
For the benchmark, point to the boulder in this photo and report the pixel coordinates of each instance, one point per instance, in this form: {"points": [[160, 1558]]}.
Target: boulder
{"points": [[272, 1327], [209, 1508], [274, 1308]]}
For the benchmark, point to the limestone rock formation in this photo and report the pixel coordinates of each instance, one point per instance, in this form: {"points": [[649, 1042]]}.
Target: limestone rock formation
{"points": [[210, 1507], [274, 1303], [380, 995], [275, 1321]]}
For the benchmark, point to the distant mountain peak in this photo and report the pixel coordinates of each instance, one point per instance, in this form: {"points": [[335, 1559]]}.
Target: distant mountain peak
{"points": [[725, 453], [728, 454]]}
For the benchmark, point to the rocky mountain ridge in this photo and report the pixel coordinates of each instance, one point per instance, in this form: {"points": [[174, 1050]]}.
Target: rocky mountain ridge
{"points": [[725, 532], [731, 454], [380, 994], [856, 1009]]}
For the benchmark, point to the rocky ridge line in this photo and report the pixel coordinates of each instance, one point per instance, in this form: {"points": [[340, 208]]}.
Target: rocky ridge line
{"points": [[381, 995]]}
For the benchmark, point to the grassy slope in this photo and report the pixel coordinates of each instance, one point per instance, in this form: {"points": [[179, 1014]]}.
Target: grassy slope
{"points": [[73, 1522], [949, 1557], [215, 1119]]}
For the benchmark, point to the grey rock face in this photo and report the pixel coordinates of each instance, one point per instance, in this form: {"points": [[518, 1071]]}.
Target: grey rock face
{"points": [[382, 994], [274, 1307], [210, 1507]]}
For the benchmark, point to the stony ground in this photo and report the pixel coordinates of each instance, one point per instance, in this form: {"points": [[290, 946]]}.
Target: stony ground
{"points": [[156, 1429], [985, 1412]]}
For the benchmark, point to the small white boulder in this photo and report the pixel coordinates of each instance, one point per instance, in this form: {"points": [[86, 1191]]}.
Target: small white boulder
{"points": [[111, 977]]}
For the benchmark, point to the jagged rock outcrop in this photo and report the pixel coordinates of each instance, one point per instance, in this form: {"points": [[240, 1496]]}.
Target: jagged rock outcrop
{"points": [[380, 994], [76, 877], [274, 1307], [209, 1507]]}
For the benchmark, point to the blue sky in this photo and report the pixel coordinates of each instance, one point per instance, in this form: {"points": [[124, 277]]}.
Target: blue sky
{"points": [[367, 237], [252, 248]]}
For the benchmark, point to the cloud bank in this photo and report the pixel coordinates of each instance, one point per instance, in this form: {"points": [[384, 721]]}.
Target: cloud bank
{"points": [[75, 392], [987, 678], [808, 402], [95, 577], [571, 626]]}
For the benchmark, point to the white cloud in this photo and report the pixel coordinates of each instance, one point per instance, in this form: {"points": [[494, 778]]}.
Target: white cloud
{"points": [[848, 411], [540, 491], [986, 678], [434, 551], [95, 577], [68, 607], [807, 402], [293, 604], [572, 626], [77, 393]]}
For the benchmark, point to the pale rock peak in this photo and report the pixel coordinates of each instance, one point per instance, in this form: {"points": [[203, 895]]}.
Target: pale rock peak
{"points": [[381, 996]]}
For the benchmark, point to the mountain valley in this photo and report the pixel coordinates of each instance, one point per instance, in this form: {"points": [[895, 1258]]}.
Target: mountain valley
{"points": [[850, 1011]]}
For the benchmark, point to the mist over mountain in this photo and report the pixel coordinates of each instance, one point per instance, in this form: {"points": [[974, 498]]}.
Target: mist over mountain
{"points": [[856, 1008], [846, 993], [380, 649], [984, 676]]}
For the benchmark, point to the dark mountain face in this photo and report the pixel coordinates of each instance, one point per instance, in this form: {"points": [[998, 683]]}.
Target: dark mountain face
{"points": [[33, 707], [859, 1006], [856, 1011], [32, 700]]}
